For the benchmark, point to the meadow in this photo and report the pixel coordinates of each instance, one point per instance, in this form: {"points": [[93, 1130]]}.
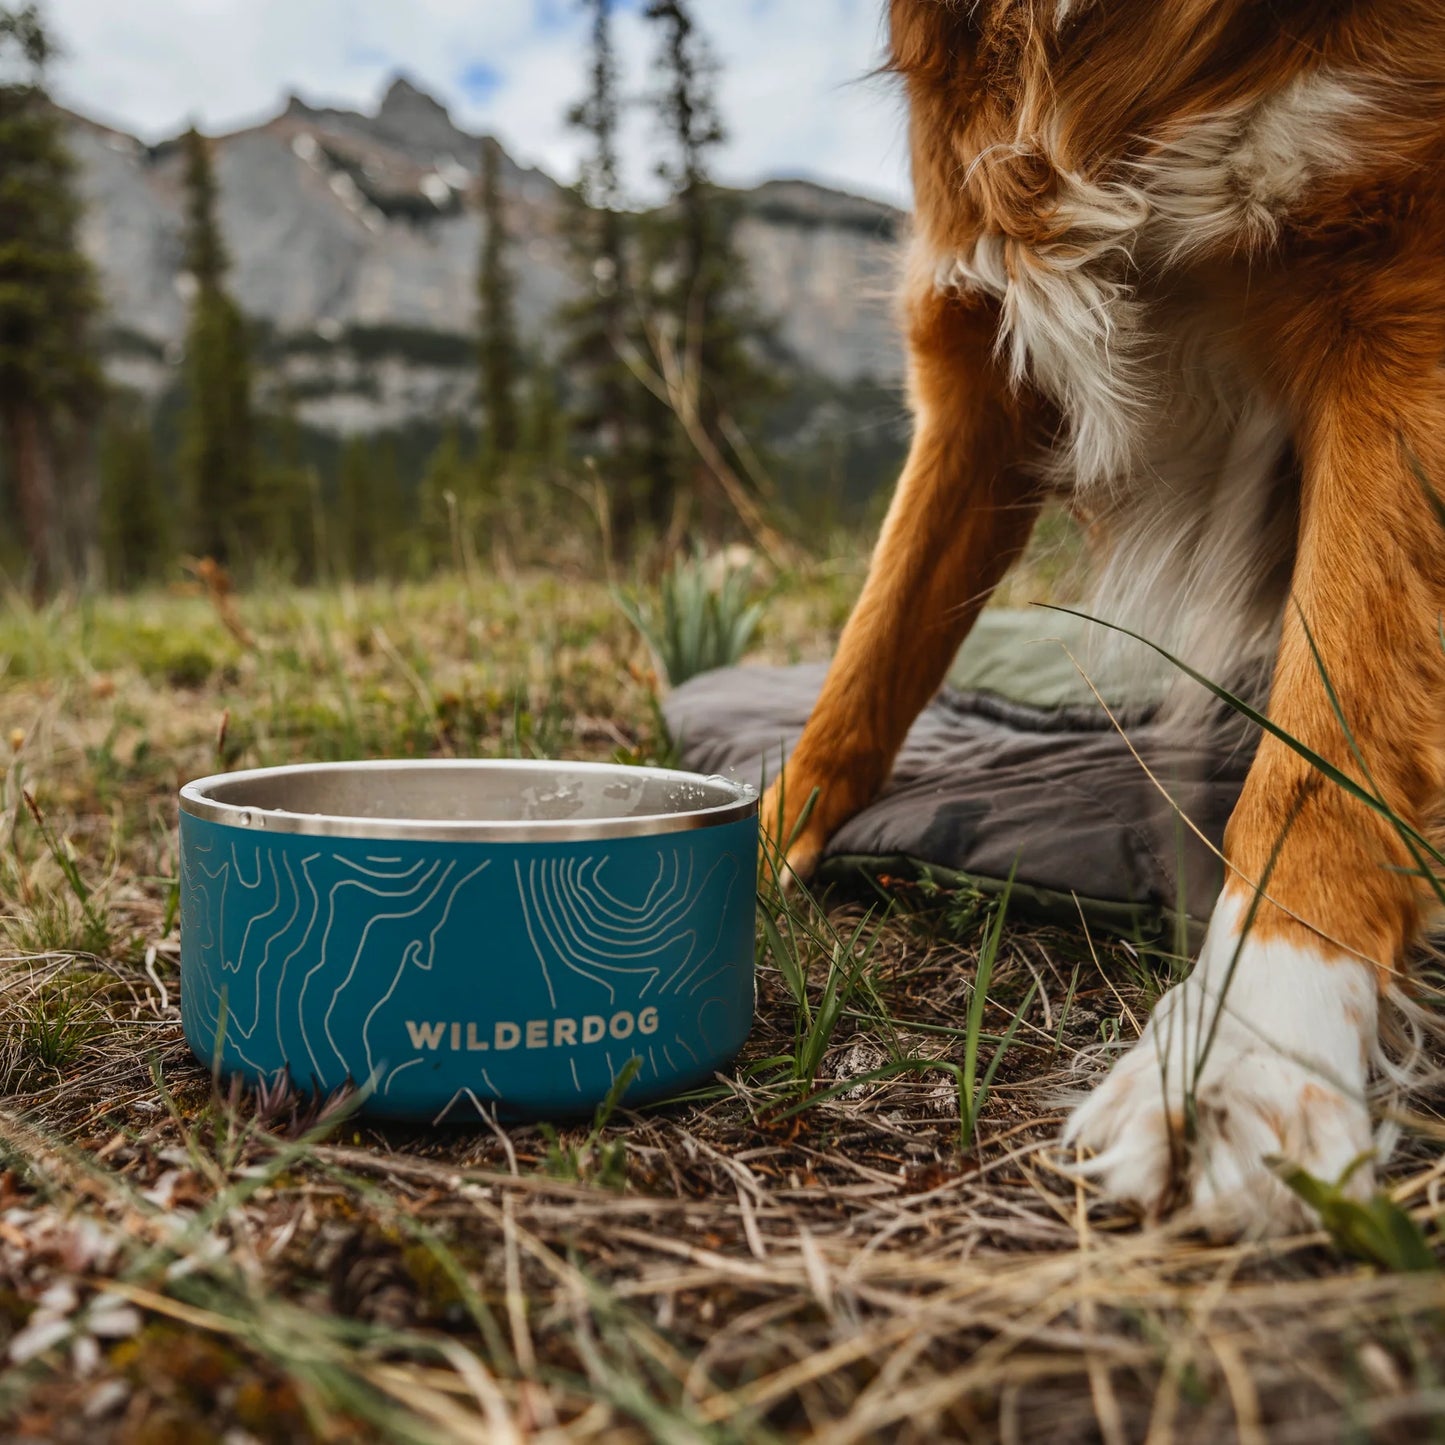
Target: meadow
{"points": [[862, 1231]]}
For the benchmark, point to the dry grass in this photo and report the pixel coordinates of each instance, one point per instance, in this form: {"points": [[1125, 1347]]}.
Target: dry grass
{"points": [[179, 1262]]}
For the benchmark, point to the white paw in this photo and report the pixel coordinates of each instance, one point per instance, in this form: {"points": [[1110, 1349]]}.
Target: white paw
{"points": [[1192, 1114]]}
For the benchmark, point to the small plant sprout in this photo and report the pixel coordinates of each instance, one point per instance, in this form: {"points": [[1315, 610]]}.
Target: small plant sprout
{"points": [[1376, 1230], [592, 1159], [704, 617], [796, 931], [68, 917]]}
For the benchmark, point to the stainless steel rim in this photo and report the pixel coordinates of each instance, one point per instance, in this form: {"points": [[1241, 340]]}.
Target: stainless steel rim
{"points": [[195, 800]]}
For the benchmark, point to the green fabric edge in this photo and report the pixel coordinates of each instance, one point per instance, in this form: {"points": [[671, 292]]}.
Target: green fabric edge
{"points": [[1042, 905], [1022, 653]]}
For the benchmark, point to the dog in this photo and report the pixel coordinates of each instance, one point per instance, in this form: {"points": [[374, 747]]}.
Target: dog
{"points": [[1183, 261]]}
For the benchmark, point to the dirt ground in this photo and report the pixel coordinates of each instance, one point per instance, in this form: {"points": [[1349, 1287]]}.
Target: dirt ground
{"points": [[787, 1254]]}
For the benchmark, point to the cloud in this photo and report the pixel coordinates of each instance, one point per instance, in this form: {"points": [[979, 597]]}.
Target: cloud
{"points": [[793, 90]]}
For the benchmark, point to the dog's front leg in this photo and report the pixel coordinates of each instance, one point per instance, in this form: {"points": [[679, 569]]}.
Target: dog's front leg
{"points": [[962, 512], [1264, 1052]]}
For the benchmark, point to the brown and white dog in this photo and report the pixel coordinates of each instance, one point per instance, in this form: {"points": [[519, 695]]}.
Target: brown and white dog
{"points": [[1185, 259]]}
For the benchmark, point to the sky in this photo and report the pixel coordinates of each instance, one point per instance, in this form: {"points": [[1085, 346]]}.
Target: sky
{"points": [[795, 89]]}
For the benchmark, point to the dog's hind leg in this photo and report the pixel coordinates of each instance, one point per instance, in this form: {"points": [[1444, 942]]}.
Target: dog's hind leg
{"points": [[1264, 1052], [962, 511]]}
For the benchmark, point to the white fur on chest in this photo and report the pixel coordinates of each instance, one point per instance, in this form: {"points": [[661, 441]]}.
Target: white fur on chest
{"points": [[1076, 319]]}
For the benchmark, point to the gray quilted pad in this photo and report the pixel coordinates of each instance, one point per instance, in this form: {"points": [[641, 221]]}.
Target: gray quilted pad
{"points": [[987, 784]]}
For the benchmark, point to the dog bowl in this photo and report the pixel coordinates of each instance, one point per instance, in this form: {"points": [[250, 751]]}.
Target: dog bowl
{"points": [[454, 937]]}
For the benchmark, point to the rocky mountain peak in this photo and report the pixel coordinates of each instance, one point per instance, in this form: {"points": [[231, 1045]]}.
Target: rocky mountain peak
{"points": [[351, 231], [404, 98], [410, 117]]}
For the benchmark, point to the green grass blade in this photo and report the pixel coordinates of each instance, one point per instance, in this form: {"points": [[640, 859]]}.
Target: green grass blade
{"points": [[1321, 764], [1406, 834]]}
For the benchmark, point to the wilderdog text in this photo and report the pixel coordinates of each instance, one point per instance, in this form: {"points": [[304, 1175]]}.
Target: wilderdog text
{"points": [[472, 1037]]}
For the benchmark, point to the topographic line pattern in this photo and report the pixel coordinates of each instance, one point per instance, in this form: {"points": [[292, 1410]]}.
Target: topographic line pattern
{"points": [[359, 928], [421, 973], [660, 944]]}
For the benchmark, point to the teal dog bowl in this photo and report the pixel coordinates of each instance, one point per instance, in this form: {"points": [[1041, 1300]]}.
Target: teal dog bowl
{"points": [[458, 937]]}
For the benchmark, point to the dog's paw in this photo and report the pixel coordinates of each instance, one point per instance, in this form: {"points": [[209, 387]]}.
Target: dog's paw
{"points": [[1214, 1095], [1160, 1141], [794, 827]]}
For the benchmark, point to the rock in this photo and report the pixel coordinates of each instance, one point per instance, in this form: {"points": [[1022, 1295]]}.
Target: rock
{"points": [[353, 236]]}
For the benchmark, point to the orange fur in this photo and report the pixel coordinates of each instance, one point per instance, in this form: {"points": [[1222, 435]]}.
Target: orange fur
{"points": [[962, 513], [1330, 297]]}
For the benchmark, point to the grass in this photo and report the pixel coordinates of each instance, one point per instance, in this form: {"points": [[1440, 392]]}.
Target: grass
{"points": [[705, 617], [860, 1232]]}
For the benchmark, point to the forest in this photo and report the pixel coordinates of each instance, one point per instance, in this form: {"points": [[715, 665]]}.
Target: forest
{"points": [[647, 424]]}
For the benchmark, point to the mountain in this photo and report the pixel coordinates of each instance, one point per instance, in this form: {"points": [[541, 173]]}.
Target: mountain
{"points": [[355, 237]]}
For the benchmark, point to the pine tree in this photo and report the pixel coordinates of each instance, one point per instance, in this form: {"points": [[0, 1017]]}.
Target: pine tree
{"points": [[599, 320], [217, 459], [690, 118], [711, 342], [395, 518], [543, 436], [500, 352], [135, 530], [357, 534], [613, 416], [444, 496], [284, 531], [49, 382]]}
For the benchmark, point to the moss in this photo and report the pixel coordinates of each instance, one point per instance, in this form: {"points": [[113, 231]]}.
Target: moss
{"points": [[194, 1365], [14, 1310], [272, 1411], [435, 1285], [196, 1386], [188, 667], [169, 1425]]}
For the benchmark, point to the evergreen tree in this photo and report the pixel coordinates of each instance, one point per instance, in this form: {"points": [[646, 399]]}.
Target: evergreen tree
{"points": [[688, 112], [598, 323], [444, 501], [285, 523], [357, 537], [613, 415], [373, 527], [500, 352], [49, 383], [217, 458], [135, 531], [543, 436], [395, 517], [711, 340]]}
